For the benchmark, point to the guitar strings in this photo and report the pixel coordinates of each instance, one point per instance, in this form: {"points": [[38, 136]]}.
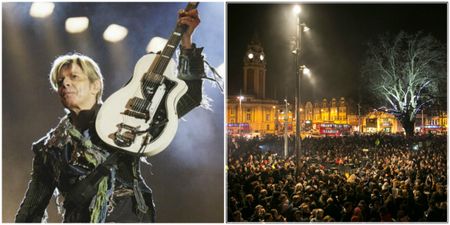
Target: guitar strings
{"points": [[153, 78], [161, 64]]}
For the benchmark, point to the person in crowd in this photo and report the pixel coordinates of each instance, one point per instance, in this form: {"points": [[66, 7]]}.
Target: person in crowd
{"points": [[337, 180]]}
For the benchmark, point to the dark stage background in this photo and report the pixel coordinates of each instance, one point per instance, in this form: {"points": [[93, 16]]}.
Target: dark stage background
{"points": [[186, 178]]}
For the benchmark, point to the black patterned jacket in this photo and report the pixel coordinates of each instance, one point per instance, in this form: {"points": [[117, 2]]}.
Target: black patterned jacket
{"points": [[57, 162]]}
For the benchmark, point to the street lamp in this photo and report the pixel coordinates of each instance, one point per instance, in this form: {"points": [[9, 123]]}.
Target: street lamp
{"points": [[286, 129], [299, 70], [240, 98], [274, 120], [306, 71]]}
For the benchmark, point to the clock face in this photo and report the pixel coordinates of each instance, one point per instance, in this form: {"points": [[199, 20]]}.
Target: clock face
{"points": [[250, 55], [261, 57]]}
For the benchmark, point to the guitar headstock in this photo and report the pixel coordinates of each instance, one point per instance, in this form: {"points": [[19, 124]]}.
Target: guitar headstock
{"points": [[191, 5]]}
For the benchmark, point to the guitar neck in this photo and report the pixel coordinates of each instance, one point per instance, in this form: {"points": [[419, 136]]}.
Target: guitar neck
{"points": [[159, 65]]}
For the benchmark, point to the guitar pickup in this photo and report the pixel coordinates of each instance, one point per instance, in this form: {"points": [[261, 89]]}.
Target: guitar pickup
{"points": [[137, 104], [137, 115]]}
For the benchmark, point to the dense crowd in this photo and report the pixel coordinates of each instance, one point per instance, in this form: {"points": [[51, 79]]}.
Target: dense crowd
{"points": [[376, 178]]}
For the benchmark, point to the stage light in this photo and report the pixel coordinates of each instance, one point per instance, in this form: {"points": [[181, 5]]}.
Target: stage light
{"points": [[297, 10], [41, 9], [77, 24], [115, 33], [156, 44]]}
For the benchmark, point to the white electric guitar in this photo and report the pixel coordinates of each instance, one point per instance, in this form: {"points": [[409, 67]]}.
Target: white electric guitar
{"points": [[142, 116]]}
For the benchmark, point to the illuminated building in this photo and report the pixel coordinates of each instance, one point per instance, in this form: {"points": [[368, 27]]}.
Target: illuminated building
{"points": [[431, 121], [252, 114], [326, 117], [255, 116], [378, 121]]}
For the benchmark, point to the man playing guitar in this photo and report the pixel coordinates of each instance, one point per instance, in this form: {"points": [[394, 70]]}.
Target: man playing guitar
{"points": [[74, 160]]}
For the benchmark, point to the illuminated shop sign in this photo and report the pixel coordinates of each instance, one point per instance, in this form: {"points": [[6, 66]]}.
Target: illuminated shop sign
{"points": [[238, 125], [432, 126]]}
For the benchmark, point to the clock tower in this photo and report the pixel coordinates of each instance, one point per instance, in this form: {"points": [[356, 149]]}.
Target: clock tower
{"points": [[255, 70]]}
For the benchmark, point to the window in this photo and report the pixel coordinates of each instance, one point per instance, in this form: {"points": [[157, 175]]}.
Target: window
{"points": [[267, 117], [248, 116], [268, 127]]}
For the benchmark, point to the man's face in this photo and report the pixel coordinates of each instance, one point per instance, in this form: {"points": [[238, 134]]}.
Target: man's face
{"points": [[75, 90]]}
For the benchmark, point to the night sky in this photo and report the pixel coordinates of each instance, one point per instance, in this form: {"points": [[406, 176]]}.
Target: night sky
{"points": [[334, 47], [187, 177]]}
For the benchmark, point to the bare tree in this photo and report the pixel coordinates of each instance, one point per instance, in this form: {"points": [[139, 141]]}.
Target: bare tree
{"points": [[405, 72]]}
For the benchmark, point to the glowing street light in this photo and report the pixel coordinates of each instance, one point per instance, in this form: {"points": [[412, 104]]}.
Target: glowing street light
{"points": [[297, 10], [115, 33], [306, 71], [41, 9], [240, 98], [77, 24]]}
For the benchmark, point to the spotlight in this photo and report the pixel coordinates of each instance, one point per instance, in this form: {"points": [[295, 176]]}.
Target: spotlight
{"points": [[156, 44], [77, 24], [41, 9], [115, 33], [297, 10]]}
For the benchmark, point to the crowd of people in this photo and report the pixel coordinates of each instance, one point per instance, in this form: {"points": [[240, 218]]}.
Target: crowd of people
{"points": [[376, 178]]}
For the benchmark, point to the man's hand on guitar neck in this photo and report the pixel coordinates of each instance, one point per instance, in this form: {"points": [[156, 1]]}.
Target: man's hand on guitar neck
{"points": [[192, 20]]}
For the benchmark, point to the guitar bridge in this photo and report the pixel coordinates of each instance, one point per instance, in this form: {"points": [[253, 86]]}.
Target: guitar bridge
{"points": [[126, 135]]}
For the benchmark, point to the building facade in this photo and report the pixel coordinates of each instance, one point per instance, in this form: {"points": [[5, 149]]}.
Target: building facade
{"points": [[251, 113], [378, 121]]}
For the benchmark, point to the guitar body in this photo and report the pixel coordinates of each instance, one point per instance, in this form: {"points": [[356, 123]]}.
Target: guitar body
{"points": [[142, 116]]}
